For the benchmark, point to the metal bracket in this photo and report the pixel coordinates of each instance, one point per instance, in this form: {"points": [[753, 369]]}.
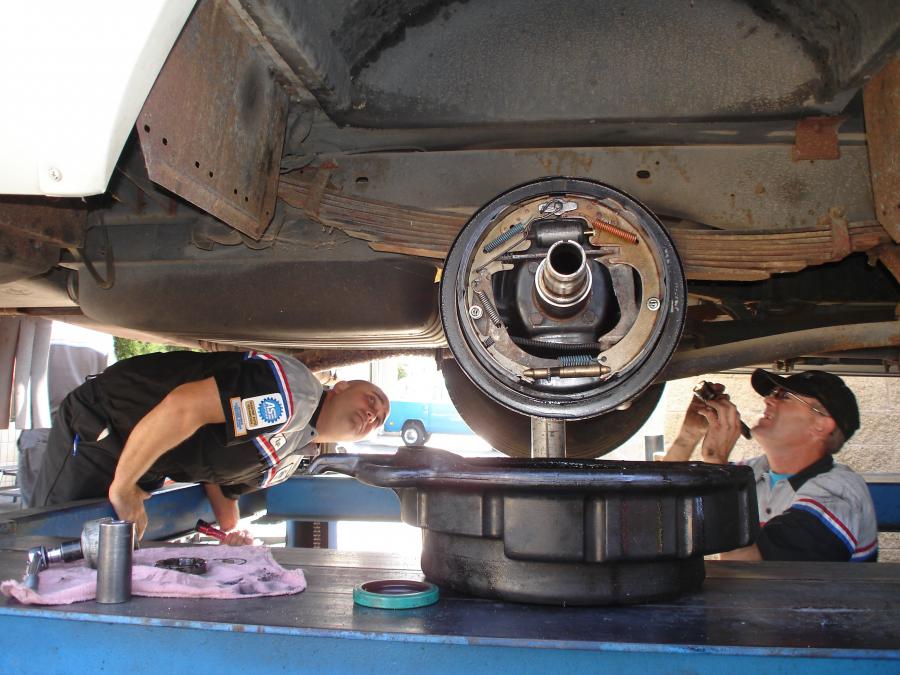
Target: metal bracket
{"points": [[817, 138], [212, 128], [881, 101]]}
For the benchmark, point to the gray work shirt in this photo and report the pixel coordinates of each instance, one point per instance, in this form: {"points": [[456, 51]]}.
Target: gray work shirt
{"points": [[824, 512]]}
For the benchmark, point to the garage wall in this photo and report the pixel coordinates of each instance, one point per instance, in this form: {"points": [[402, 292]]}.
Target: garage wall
{"points": [[875, 448]]}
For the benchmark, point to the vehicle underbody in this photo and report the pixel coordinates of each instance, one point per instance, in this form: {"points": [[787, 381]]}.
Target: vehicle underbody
{"points": [[300, 174]]}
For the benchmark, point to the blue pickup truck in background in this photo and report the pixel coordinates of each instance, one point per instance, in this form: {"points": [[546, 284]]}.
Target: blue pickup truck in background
{"points": [[417, 420]]}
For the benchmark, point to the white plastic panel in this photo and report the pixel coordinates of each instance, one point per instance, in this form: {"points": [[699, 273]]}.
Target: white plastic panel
{"points": [[73, 77]]}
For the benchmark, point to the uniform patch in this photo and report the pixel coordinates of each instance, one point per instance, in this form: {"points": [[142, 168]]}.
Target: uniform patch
{"points": [[277, 440], [264, 411], [237, 417], [283, 470]]}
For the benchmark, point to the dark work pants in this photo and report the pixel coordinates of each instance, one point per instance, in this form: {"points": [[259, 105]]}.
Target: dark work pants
{"points": [[77, 465]]}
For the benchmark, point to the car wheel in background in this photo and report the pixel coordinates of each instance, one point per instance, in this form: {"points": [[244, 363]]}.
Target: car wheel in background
{"points": [[413, 433]]}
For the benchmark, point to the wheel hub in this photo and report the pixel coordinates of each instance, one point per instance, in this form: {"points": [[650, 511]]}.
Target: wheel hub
{"points": [[563, 298]]}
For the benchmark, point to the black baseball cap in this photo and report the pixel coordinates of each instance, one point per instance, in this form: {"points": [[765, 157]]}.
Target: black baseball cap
{"points": [[828, 389]]}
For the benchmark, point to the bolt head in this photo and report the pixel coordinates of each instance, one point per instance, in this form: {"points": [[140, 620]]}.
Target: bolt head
{"points": [[536, 319], [653, 304], [476, 312]]}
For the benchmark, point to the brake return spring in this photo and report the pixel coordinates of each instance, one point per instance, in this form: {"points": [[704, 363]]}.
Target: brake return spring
{"points": [[575, 360], [503, 238], [606, 226], [487, 305]]}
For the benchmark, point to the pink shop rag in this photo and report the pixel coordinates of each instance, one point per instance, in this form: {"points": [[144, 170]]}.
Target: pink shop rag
{"points": [[232, 572]]}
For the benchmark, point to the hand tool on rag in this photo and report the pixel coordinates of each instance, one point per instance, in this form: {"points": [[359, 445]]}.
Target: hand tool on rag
{"points": [[40, 557]]}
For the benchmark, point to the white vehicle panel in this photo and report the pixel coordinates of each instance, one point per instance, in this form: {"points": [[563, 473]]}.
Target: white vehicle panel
{"points": [[74, 78]]}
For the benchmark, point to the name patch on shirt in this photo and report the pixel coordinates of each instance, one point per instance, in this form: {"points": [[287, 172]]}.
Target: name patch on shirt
{"points": [[237, 417], [264, 411], [284, 470]]}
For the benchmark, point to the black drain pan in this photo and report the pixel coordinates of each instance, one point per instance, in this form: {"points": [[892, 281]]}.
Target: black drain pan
{"points": [[563, 531]]}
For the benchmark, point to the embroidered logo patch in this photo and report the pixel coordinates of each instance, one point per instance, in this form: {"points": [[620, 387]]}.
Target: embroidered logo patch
{"points": [[284, 470], [264, 411], [237, 417], [270, 410]]}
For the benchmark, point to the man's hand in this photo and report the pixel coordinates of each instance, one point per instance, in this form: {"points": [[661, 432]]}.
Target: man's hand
{"points": [[723, 429], [238, 538], [692, 429], [128, 501], [695, 424]]}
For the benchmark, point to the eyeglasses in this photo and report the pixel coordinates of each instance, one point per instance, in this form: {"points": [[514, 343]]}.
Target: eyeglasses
{"points": [[783, 394]]}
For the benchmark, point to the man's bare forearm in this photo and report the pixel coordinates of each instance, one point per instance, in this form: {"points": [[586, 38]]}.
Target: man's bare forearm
{"points": [[226, 510], [750, 552], [172, 421], [680, 450]]}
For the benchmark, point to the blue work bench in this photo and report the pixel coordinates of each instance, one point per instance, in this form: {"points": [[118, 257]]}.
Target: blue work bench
{"points": [[746, 618]]}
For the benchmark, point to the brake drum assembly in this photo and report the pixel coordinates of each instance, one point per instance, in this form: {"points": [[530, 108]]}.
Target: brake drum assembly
{"points": [[562, 300]]}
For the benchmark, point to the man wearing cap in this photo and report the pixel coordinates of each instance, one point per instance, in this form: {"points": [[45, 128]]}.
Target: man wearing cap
{"points": [[810, 507]]}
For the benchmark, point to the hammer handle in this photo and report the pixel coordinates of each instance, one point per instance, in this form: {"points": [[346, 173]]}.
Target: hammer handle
{"points": [[205, 528]]}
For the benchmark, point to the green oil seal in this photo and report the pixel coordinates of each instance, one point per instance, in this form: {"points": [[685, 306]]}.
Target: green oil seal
{"points": [[395, 594]]}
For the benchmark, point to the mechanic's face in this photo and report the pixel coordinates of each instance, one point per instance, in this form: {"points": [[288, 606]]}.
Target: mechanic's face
{"points": [[788, 418], [352, 410]]}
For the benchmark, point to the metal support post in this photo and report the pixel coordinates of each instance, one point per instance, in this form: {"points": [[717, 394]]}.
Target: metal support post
{"points": [[548, 437], [654, 447]]}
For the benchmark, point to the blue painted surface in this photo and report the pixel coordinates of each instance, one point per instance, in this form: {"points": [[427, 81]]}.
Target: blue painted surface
{"points": [[342, 498], [885, 491], [331, 498], [438, 418], [46, 643], [172, 511]]}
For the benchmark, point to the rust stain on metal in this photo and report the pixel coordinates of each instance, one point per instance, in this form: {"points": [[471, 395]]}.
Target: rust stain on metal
{"points": [[24, 257], [817, 138], [836, 221], [59, 222], [881, 100], [317, 189], [212, 129], [560, 162]]}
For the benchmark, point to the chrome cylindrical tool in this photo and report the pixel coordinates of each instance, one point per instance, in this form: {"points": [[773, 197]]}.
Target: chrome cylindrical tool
{"points": [[40, 557], [114, 561]]}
